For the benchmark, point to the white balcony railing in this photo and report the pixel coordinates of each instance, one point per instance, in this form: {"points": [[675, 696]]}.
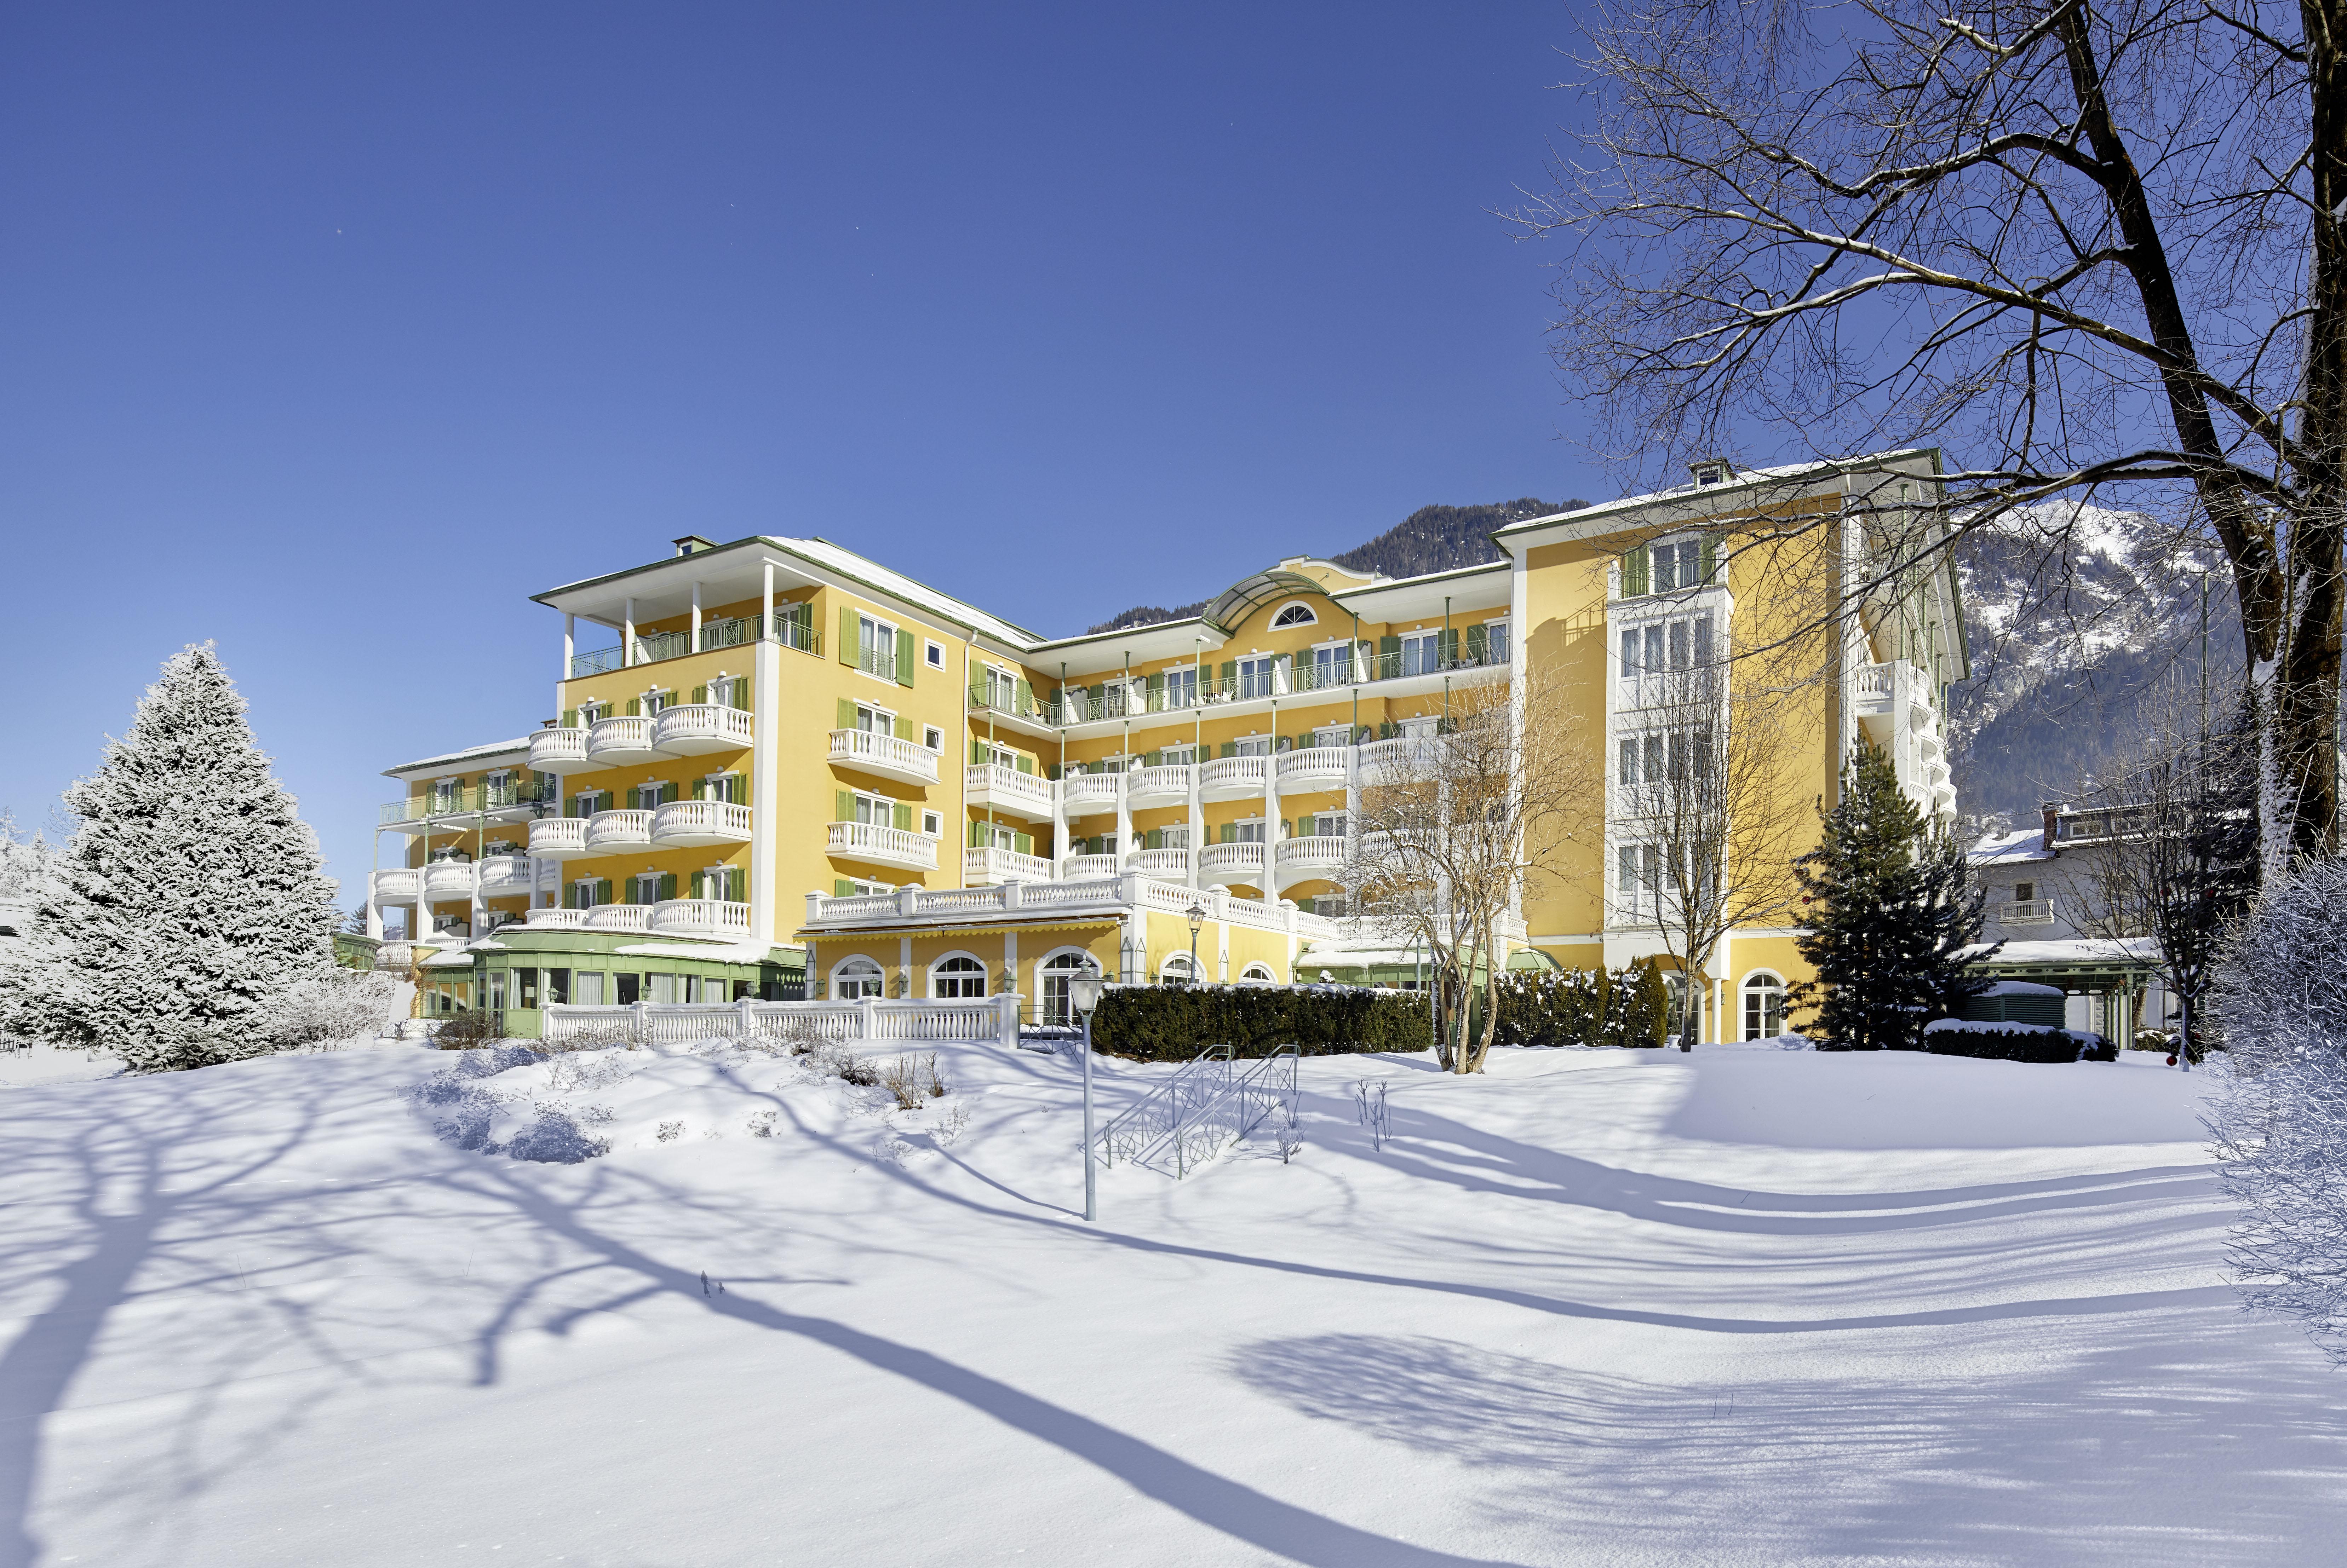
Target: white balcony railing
{"points": [[1226, 777], [448, 879], [701, 916], [1315, 852], [1316, 769], [986, 867], [2025, 912], [1084, 867], [891, 756], [560, 752], [886, 845], [1166, 783], [619, 917], [621, 740], [505, 874], [1084, 793], [558, 837], [398, 883], [610, 830], [1232, 863], [1164, 865], [992, 786], [556, 919], [690, 729], [688, 823]]}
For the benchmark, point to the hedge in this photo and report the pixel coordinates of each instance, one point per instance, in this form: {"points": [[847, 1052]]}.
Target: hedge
{"points": [[1174, 1023], [2015, 1042], [1582, 1007]]}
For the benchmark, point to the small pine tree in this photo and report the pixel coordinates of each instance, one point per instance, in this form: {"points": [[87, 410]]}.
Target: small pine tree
{"points": [[1890, 912], [191, 895]]}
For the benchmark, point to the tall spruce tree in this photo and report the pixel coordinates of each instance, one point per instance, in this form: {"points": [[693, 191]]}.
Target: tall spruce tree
{"points": [[191, 895], [1890, 912]]}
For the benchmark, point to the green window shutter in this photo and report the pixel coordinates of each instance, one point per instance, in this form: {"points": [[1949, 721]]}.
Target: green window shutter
{"points": [[1446, 646], [846, 715], [700, 884], [669, 791], [1388, 728], [737, 789], [846, 802], [977, 753], [1230, 674], [569, 718], [1022, 843], [737, 885], [903, 815], [1154, 840], [741, 692], [1479, 643], [841, 887], [1229, 833], [635, 707], [570, 895], [1633, 572], [668, 886], [1710, 556], [603, 890], [907, 657], [1157, 693], [847, 634], [976, 833], [1026, 764], [1026, 697], [1058, 772], [700, 694], [1152, 759], [1229, 749], [977, 686], [1389, 657], [1306, 741]]}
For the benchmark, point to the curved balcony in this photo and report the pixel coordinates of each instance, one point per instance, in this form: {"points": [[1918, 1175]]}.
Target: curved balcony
{"points": [[1082, 867], [395, 885], [1315, 771], [890, 756], [503, 876], [687, 824], [557, 920], [558, 837], [615, 743], [701, 917], [619, 917], [1233, 778], [560, 752], [1220, 864], [1312, 858], [1167, 784], [695, 729], [992, 868], [610, 830], [1162, 864], [993, 787], [870, 842], [1084, 793], [448, 879]]}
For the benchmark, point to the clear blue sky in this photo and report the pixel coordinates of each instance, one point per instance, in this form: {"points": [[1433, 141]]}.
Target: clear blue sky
{"points": [[334, 332]]}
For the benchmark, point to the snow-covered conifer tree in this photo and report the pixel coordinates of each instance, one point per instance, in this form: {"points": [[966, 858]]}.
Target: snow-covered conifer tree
{"points": [[27, 861], [191, 894], [2281, 1000]]}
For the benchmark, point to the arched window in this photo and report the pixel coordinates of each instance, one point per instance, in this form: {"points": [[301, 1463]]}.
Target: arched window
{"points": [[957, 975], [1175, 970], [1259, 973], [1054, 974], [1294, 615], [854, 976], [1764, 1005]]}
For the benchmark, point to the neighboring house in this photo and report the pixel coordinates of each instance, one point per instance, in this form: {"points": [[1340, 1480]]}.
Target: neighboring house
{"points": [[2044, 903], [793, 771]]}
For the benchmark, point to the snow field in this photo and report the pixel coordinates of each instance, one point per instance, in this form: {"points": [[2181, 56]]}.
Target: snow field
{"points": [[1743, 1306]]}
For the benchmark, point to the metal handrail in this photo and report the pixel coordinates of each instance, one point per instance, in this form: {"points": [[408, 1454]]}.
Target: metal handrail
{"points": [[1207, 1105], [1141, 1129]]}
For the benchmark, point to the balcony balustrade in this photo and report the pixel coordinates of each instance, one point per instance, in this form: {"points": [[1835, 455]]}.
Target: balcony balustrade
{"points": [[1233, 778], [988, 867], [396, 812], [1310, 858], [557, 920], [685, 823], [697, 729], [1162, 864], [502, 876], [619, 917], [448, 879], [613, 830], [558, 837], [1314, 771], [869, 841], [890, 756], [993, 787], [599, 661], [618, 742], [699, 918], [1220, 864], [397, 885], [1168, 785], [1084, 867], [558, 750], [1084, 793], [2025, 912]]}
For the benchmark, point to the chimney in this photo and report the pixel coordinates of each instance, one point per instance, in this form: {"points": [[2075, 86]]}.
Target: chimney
{"points": [[2052, 811]]}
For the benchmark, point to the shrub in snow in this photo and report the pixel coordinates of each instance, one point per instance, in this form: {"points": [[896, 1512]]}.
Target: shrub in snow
{"points": [[1630, 1007], [340, 1004], [2008, 1042], [554, 1138], [190, 897], [913, 1081], [2280, 999], [1170, 1024]]}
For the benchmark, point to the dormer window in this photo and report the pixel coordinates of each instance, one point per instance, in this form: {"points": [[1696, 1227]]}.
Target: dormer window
{"points": [[1712, 471], [692, 544]]}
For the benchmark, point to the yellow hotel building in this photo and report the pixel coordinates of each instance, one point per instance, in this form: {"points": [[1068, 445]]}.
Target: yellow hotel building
{"points": [[774, 768]]}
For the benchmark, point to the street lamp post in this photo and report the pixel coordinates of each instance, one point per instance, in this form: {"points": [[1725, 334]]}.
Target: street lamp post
{"points": [[1084, 995], [1197, 918]]}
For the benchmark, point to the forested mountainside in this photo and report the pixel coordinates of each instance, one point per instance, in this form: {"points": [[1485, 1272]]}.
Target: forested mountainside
{"points": [[2085, 626], [1431, 539]]}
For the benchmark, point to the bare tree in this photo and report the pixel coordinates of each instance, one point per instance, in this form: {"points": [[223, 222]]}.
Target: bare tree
{"points": [[1705, 820], [2092, 248], [1459, 826]]}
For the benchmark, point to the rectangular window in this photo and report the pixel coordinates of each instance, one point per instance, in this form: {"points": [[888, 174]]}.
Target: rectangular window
{"points": [[1495, 634], [933, 824], [1177, 756], [630, 989], [524, 987], [1421, 653], [557, 985], [1182, 688], [1626, 873], [1628, 771], [875, 721], [936, 655], [1255, 677], [493, 987], [1678, 565], [2024, 892], [1254, 746], [1328, 825], [876, 650], [934, 738], [589, 986], [663, 987], [1332, 666], [1332, 736], [1247, 832], [877, 809]]}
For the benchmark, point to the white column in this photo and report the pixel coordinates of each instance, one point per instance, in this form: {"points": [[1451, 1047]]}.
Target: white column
{"points": [[692, 644], [375, 910], [766, 607], [628, 636], [1269, 881], [904, 965], [1123, 820], [766, 787], [569, 651], [1197, 817], [1059, 830], [1010, 957]]}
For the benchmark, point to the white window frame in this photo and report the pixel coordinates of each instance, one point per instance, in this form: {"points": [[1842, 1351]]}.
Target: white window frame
{"points": [[877, 976], [1054, 1007], [1505, 626], [1285, 616], [1427, 643], [935, 653], [933, 738], [866, 800], [1751, 988], [1188, 679], [960, 976], [877, 715], [933, 824], [884, 641], [1258, 973], [1257, 675]]}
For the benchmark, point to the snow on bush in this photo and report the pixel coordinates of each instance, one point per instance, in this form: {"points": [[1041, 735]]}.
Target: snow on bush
{"points": [[2281, 1118], [340, 1004], [2009, 1041]]}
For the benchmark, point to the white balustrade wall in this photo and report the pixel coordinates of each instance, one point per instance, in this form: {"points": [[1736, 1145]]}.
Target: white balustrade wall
{"points": [[873, 1020]]}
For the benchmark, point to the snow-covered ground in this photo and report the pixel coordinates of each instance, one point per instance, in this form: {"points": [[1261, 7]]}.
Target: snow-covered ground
{"points": [[1745, 1306]]}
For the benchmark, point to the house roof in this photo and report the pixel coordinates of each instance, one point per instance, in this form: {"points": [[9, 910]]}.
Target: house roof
{"points": [[2010, 848]]}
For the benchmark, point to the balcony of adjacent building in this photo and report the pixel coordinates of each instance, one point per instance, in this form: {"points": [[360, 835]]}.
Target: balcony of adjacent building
{"points": [[1396, 665], [884, 755], [674, 824], [992, 787], [455, 805], [794, 628], [706, 917], [877, 843]]}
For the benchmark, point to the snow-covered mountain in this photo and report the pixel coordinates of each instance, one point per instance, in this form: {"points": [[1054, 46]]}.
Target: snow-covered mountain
{"points": [[2078, 617]]}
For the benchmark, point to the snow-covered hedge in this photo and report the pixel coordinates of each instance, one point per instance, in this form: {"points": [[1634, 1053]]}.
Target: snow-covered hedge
{"points": [[2011, 1041], [1173, 1023]]}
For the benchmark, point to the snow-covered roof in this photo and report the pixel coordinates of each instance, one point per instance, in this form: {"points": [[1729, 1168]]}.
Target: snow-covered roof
{"points": [[463, 759], [2007, 848], [863, 568], [2076, 950], [1742, 480], [2021, 989]]}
